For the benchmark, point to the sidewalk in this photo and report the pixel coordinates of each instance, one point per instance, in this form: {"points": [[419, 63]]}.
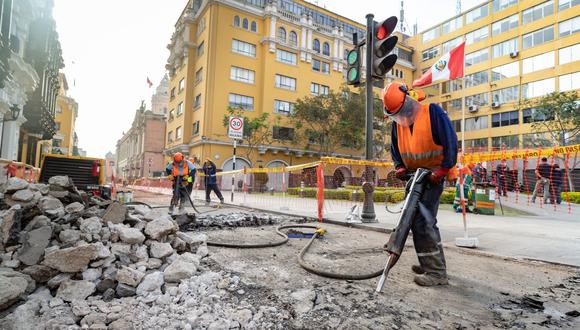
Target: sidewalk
{"points": [[553, 238], [559, 211]]}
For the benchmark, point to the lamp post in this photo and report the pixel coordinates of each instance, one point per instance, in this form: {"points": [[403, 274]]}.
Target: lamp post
{"points": [[15, 113]]}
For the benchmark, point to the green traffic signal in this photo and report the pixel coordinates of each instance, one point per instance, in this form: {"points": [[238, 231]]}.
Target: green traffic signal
{"points": [[352, 57], [353, 75], [353, 69]]}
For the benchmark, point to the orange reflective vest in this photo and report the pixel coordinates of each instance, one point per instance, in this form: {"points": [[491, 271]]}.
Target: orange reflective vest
{"points": [[418, 148], [175, 171]]}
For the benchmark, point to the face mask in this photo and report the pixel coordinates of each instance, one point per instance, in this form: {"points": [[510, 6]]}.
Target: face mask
{"points": [[408, 113]]}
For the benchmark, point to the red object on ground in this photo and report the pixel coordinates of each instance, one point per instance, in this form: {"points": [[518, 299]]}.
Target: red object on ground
{"points": [[320, 194]]}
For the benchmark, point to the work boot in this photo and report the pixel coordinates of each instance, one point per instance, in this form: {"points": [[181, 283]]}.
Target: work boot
{"points": [[221, 201], [430, 280], [417, 269]]}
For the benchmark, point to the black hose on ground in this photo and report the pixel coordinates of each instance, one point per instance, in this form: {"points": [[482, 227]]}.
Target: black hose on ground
{"points": [[284, 239], [303, 264], [354, 277]]}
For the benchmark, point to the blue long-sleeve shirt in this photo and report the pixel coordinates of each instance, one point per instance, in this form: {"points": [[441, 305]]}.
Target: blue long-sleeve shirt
{"points": [[443, 135]]}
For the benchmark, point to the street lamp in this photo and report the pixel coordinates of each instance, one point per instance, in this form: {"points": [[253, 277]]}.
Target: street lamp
{"points": [[15, 113]]}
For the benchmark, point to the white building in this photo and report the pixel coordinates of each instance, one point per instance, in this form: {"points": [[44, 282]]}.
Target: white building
{"points": [[23, 78]]}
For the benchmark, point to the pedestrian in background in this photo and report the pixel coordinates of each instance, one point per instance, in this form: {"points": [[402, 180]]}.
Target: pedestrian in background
{"points": [[209, 171], [543, 180], [556, 189], [501, 174], [479, 173]]}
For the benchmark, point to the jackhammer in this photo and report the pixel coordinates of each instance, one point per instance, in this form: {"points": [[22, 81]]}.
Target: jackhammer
{"points": [[178, 190], [414, 191]]}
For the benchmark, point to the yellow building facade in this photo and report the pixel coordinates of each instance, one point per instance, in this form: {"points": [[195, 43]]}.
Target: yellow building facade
{"points": [[65, 119], [261, 57], [515, 50]]}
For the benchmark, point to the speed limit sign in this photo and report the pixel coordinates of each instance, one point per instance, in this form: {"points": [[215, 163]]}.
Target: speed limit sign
{"points": [[236, 128]]}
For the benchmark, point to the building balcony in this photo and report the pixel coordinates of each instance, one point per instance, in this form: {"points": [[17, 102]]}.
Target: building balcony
{"points": [[40, 120]]}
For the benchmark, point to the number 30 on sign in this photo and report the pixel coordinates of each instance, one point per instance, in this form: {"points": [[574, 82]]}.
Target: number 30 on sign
{"points": [[236, 128]]}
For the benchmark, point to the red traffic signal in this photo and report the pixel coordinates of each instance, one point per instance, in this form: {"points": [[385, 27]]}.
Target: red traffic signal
{"points": [[384, 43]]}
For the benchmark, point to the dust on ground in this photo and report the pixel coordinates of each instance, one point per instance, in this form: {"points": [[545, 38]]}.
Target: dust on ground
{"points": [[484, 292]]}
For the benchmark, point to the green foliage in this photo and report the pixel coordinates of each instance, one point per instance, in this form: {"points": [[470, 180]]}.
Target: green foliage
{"points": [[556, 114], [326, 123], [573, 197], [447, 197]]}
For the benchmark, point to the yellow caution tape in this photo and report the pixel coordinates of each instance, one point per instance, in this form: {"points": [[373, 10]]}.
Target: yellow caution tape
{"points": [[529, 153], [346, 161]]}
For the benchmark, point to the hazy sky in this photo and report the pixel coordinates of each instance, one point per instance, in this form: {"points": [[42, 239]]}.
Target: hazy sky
{"points": [[110, 47]]}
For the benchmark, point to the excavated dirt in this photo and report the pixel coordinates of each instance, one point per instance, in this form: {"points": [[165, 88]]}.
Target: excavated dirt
{"points": [[484, 292]]}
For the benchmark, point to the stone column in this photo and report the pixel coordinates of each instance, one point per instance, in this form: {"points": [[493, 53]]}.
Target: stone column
{"points": [[11, 138]]}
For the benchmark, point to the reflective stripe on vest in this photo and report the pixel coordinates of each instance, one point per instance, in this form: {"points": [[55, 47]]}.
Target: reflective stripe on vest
{"points": [[418, 149], [175, 171]]}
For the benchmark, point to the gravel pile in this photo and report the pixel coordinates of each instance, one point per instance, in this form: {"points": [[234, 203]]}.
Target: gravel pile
{"points": [[64, 254]]}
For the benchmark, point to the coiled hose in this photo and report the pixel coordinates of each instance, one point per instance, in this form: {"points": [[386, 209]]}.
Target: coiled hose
{"points": [[323, 273], [301, 261], [283, 241]]}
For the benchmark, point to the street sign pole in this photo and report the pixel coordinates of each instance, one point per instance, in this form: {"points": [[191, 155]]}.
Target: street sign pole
{"points": [[235, 132], [233, 175]]}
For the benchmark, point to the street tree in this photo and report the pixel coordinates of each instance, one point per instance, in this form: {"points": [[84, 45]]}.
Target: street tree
{"points": [[257, 130], [555, 120], [326, 123]]}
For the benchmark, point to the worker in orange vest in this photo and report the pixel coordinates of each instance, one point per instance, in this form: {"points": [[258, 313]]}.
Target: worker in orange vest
{"points": [[422, 136], [180, 171]]}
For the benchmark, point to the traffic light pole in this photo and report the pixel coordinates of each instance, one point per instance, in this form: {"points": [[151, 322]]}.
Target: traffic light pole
{"points": [[368, 212]]}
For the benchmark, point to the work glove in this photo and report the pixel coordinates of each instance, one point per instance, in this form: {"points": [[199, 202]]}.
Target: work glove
{"points": [[438, 175], [401, 173], [170, 177]]}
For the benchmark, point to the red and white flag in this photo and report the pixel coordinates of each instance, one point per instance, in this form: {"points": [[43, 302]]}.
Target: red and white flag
{"points": [[448, 67], [149, 82]]}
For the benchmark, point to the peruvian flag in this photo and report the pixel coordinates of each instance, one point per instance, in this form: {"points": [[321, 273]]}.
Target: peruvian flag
{"points": [[448, 67]]}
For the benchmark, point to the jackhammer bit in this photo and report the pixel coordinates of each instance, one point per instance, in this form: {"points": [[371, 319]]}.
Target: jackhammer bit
{"points": [[396, 243]]}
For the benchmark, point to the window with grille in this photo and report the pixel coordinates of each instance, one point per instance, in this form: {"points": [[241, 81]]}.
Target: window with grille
{"points": [[243, 48], [283, 133], [242, 75], [285, 82], [238, 101]]}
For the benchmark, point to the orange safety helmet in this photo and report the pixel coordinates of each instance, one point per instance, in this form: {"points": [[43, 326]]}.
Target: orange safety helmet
{"points": [[394, 97], [178, 157]]}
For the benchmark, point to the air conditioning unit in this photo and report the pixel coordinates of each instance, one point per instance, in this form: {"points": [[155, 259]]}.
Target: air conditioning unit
{"points": [[495, 105], [473, 108], [514, 54]]}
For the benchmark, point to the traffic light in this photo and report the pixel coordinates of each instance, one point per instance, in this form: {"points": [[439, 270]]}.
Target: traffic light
{"points": [[353, 63], [383, 43], [353, 69]]}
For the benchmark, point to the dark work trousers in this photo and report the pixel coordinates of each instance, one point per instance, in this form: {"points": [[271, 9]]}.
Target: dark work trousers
{"points": [[182, 194], [426, 236], [215, 188]]}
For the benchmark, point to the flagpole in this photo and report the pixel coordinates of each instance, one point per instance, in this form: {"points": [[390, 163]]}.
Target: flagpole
{"points": [[462, 117]]}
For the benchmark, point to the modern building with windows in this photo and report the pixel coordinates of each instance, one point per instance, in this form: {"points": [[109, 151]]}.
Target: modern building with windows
{"points": [[514, 50], [258, 56]]}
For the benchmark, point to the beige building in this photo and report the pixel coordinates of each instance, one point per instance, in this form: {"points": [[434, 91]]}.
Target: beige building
{"points": [[139, 152]]}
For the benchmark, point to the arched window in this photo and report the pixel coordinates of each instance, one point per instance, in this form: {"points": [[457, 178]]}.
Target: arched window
{"points": [[254, 26], [245, 23], [237, 20], [326, 49], [282, 34], [316, 45], [293, 39]]}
